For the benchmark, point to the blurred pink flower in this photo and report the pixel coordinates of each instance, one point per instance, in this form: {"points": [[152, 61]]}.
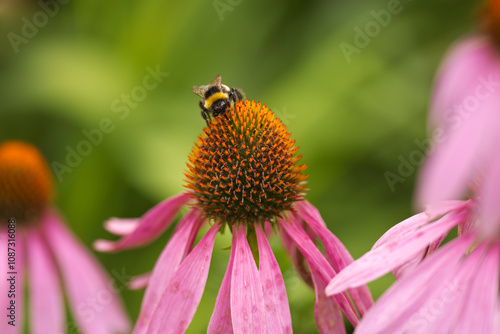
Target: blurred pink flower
{"points": [[40, 245], [454, 289], [246, 181], [465, 118]]}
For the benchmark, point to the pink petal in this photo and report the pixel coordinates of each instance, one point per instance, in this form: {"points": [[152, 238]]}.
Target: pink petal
{"points": [[336, 251], [121, 227], [383, 259], [139, 282], [326, 309], [46, 300], [436, 210], [150, 227], [470, 136], [92, 294], [221, 322], [458, 76], [167, 264], [408, 266], [18, 271], [277, 311], [489, 199], [180, 299], [297, 258], [440, 311], [449, 169], [410, 225], [247, 299], [480, 308], [268, 228], [317, 262], [398, 306], [403, 229], [432, 211]]}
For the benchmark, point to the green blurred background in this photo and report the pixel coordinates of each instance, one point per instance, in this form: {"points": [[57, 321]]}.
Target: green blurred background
{"points": [[355, 118]]}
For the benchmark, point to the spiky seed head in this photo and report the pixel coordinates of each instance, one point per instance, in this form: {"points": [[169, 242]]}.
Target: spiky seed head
{"points": [[243, 167]]}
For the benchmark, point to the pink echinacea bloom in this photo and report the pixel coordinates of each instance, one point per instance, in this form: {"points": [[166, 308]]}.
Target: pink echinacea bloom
{"points": [[40, 251], [243, 177], [454, 288]]}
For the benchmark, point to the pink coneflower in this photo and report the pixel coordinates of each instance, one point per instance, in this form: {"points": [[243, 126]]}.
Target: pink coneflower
{"points": [[456, 288], [37, 247], [452, 290], [243, 177]]}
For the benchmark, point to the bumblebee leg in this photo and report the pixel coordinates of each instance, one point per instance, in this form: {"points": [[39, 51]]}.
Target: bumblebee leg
{"points": [[205, 116], [232, 96], [235, 95], [204, 113]]}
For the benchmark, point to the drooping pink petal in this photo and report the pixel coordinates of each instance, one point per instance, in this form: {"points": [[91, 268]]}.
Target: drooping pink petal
{"points": [[383, 259], [150, 227], [408, 266], [438, 209], [247, 299], [403, 229], [140, 282], [469, 61], [122, 227], [471, 127], [326, 309], [489, 222], [268, 228], [480, 308], [166, 266], [277, 311], [221, 322], [446, 300], [297, 258], [398, 307], [336, 251], [410, 225], [46, 300], [317, 262], [182, 295], [13, 273], [433, 211], [92, 294], [466, 227], [450, 167]]}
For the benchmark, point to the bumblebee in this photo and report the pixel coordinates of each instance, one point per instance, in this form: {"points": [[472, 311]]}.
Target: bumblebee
{"points": [[217, 98]]}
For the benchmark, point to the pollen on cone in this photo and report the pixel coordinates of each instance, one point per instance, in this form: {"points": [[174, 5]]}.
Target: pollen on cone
{"points": [[25, 181], [243, 167]]}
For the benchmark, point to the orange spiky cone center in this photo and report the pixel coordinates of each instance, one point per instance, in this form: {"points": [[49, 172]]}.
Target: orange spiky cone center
{"points": [[25, 182], [244, 167]]}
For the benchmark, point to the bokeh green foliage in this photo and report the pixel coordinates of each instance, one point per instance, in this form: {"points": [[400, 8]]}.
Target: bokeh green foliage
{"points": [[354, 121]]}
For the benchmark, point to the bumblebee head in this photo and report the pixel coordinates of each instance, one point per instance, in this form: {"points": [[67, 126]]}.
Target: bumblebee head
{"points": [[213, 92]]}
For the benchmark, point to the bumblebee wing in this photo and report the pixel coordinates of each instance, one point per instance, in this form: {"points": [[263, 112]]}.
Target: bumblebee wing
{"points": [[200, 90], [217, 81], [240, 94]]}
